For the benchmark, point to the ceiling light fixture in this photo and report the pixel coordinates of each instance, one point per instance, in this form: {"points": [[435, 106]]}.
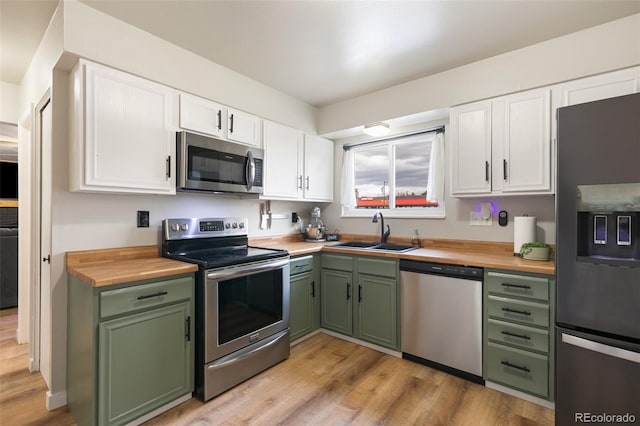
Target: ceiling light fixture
{"points": [[376, 129]]}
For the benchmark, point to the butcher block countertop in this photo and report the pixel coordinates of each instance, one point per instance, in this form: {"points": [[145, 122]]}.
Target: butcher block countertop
{"points": [[106, 267], [483, 254]]}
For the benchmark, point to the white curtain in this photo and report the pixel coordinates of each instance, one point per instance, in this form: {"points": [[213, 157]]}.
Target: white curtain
{"points": [[435, 185], [347, 194]]}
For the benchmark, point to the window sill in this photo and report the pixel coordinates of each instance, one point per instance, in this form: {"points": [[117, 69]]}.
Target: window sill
{"points": [[395, 213]]}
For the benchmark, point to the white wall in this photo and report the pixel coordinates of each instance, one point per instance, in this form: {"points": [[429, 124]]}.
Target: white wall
{"points": [[9, 102], [599, 49], [94, 35]]}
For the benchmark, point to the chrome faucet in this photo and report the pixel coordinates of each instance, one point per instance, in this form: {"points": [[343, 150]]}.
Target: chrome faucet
{"points": [[383, 235]]}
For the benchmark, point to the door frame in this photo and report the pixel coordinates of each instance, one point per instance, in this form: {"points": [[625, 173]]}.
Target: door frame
{"points": [[35, 261]]}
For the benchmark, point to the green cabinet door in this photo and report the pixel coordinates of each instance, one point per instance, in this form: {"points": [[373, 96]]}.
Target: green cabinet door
{"points": [[301, 313], [377, 320], [336, 301], [145, 362]]}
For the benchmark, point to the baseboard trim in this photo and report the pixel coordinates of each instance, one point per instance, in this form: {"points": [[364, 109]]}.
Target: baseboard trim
{"points": [[522, 395], [160, 410], [362, 343], [55, 400], [306, 336]]}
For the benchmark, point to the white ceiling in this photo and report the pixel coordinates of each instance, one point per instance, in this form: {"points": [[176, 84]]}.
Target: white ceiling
{"points": [[323, 52]]}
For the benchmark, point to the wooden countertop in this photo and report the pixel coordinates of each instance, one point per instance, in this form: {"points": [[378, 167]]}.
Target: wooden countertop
{"points": [[106, 267], [459, 252]]}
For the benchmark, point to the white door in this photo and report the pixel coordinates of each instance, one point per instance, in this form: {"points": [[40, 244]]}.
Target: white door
{"points": [[45, 140], [599, 87], [471, 149], [243, 128], [318, 168], [202, 115], [282, 161], [526, 165]]}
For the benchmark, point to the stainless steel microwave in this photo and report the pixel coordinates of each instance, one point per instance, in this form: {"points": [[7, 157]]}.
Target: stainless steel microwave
{"points": [[213, 165]]}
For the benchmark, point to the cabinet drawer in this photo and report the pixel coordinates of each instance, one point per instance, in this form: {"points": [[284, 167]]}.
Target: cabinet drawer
{"points": [[143, 296], [374, 266], [302, 264], [517, 369], [518, 335], [517, 285], [343, 263], [518, 311]]}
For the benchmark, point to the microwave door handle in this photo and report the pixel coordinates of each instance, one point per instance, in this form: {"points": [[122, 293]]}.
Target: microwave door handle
{"points": [[250, 170]]}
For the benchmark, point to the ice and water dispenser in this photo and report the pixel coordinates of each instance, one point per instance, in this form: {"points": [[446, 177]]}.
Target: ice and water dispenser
{"points": [[609, 223]]}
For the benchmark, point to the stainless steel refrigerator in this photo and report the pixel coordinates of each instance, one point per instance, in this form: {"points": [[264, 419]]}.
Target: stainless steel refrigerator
{"points": [[598, 263]]}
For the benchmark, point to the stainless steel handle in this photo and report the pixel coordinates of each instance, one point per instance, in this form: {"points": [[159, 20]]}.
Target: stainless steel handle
{"points": [[247, 354], [237, 271], [601, 348], [300, 182], [251, 170], [306, 186]]}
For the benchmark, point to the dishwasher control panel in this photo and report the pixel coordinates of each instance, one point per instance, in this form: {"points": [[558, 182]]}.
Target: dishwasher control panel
{"points": [[460, 271]]}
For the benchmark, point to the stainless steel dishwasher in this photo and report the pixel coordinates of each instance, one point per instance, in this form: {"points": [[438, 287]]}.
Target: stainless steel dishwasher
{"points": [[441, 317]]}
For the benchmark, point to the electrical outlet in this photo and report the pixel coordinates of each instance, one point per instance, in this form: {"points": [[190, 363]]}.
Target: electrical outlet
{"points": [[294, 217], [475, 219], [143, 219]]}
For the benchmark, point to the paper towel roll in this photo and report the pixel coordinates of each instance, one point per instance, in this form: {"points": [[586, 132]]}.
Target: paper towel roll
{"points": [[524, 231]]}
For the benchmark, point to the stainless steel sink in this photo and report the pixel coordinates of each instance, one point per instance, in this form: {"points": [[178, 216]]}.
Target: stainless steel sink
{"points": [[355, 244], [362, 245], [400, 248]]}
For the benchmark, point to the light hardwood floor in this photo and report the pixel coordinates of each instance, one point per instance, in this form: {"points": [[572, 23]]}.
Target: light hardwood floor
{"points": [[326, 381]]}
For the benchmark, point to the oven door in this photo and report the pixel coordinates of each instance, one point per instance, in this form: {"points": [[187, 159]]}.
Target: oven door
{"points": [[244, 304], [209, 164]]}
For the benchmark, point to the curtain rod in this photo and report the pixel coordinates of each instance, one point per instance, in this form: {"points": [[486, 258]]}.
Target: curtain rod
{"points": [[439, 129]]}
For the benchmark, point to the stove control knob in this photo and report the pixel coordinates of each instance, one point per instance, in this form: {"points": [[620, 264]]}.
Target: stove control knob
{"points": [[235, 225], [175, 227], [227, 225], [241, 225], [184, 227]]}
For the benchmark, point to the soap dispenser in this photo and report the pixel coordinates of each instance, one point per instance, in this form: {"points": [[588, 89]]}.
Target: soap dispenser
{"points": [[415, 240]]}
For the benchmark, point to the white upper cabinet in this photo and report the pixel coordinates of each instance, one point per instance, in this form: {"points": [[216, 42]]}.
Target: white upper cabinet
{"points": [[297, 166], [318, 168], [502, 146], [210, 118], [471, 149], [282, 161], [618, 83], [203, 116], [526, 151], [122, 132], [244, 128]]}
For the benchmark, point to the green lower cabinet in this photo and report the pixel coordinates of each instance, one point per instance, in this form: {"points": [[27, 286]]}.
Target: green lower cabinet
{"points": [[129, 348], [145, 362], [377, 312], [359, 298], [304, 305], [518, 331], [337, 301]]}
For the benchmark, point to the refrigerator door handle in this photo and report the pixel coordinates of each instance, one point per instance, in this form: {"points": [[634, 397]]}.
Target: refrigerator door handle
{"points": [[601, 348]]}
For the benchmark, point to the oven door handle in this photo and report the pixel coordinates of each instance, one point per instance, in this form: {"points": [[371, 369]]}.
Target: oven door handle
{"points": [[236, 358], [233, 272]]}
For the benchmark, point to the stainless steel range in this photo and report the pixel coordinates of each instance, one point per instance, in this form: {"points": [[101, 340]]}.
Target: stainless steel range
{"points": [[242, 300]]}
